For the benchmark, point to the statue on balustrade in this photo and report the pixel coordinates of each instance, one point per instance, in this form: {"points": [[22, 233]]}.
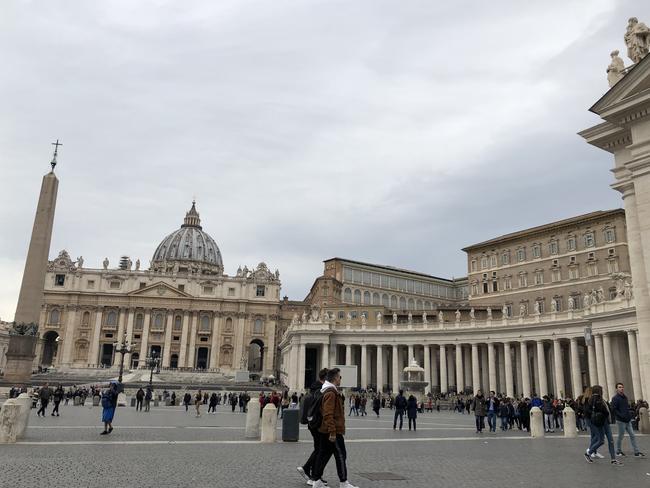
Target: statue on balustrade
{"points": [[424, 318], [394, 317], [379, 317]]}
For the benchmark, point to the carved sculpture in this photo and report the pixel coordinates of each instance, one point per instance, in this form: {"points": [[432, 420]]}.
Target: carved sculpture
{"points": [[489, 313], [80, 262], [105, 263], [363, 320], [471, 313], [537, 308], [571, 303], [424, 318], [137, 265], [504, 311], [553, 305], [457, 315], [586, 301], [616, 69], [379, 317], [637, 40], [394, 317], [410, 318], [522, 310], [294, 319], [441, 316]]}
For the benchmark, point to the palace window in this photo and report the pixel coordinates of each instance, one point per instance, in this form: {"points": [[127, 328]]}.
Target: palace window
{"points": [[158, 321], [85, 319], [610, 236], [473, 265], [592, 269], [509, 310], [178, 322], [418, 287], [402, 303], [507, 283], [366, 298], [385, 301], [347, 295], [375, 279], [537, 251], [260, 291], [181, 287], [521, 254], [539, 277], [612, 265], [55, 316], [115, 285], [91, 284], [571, 243], [347, 274], [208, 290], [474, 289], [556, 275], [553, 247], [523, 280], [341, 314], [357, 297], [484, 262], [495, 285], [375, 299], [574, 272], [111, 318], [366, 278], [505, 258], [590, 241], [493, 260], [139, 321], [59, 280], [205, 323], [486, 288]]}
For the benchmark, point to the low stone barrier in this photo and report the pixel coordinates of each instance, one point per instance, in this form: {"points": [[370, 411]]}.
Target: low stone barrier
{"points": [[25, 403], [536, 423], [253, 420], [644, 421], [269, 423], [570, 429], [8, 421]]}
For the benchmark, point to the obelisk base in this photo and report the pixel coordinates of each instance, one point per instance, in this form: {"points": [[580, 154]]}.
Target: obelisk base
{"points": [[20, 358]]}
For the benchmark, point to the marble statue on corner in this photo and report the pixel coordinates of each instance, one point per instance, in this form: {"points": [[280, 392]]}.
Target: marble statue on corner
{"points": [[304, 317], [600, 293], [314, 315], [363, 320], [424, 318], [586, 301], [637, 40], [627, 293], [105, 263], [294, 319], [348, 318], [616, 69], [394, 317], [129, 264], [137, 264], [504, 311], [410, 318], [80, 262]]}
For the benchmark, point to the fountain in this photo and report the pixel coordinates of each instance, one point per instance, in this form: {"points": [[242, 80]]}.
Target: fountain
{"points": [[413, 381]]}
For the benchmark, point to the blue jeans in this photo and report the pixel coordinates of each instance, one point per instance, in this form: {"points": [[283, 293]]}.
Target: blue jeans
{"points": [[398, 413], [492, 421], [622, 428], [598, 439], [504, 423]]}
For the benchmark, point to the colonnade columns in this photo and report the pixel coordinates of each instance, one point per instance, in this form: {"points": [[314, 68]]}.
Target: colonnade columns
{"points": [[558, 369], [121, 319], [591, 359], [325, 356], [609, 366], [507, 352], [94, 348], [427, 369], [380, 369], [68, 339], [600, 364], [144, 347], [541, 369], [434, 368], [348, 355], [634, 364], [192, 349], [576, 377], [492, 373], [525, 371], [182, 356], [460, 377], [129, 336], [364, 366], [301, 366], [168, 339], [411, 355], [214, 343], [443, 369], [476, 374], [395, 368]]}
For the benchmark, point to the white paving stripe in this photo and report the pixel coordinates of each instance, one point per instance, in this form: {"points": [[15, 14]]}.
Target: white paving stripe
{"points": [[216, 427]]}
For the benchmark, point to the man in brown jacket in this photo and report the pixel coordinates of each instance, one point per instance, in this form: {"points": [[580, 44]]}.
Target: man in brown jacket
{"points": [[331, 431]]}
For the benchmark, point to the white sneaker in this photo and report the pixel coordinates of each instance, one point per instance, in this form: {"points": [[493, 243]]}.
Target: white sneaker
{"points": [[347, 484], [597, 455], [319, 484], [302, 473]]}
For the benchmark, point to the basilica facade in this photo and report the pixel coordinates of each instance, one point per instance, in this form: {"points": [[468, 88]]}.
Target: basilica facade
{"points": [[184, 310]]}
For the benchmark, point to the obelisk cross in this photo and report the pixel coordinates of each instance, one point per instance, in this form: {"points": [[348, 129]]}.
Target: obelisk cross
{"points": [[56, 151]]}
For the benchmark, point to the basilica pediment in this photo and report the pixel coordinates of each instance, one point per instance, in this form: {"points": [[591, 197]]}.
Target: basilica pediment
{"points": [[624, 99], [160, 289]]}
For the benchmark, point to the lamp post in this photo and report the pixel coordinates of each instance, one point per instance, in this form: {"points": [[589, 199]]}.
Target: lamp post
{"points": [[153, 362], [123, 348]]}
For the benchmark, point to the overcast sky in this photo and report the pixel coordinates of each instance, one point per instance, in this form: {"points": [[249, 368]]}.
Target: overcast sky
{"points": [[392, 132]]}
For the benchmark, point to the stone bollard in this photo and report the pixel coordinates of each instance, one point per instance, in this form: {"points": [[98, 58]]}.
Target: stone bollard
{"points": [[644, 421], [121, 400], [25, 403], [536, 423], [8, 421], [570, 429], [269, 423], [253, 419]]}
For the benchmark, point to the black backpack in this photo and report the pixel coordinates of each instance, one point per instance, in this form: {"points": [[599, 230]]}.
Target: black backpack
{"points": [[314, 413], [305, 406]]}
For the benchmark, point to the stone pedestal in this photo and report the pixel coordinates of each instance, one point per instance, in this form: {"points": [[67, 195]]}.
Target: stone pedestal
{"points": [[269, 423], [20, 358], [570, 429], [25, 404], [536, 423], [121, 400], [9, 422], [242, 376], [644, 421], [253, 419]]}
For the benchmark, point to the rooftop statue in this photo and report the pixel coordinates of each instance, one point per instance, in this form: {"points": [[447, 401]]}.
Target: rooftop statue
{"points": [[616, 69], [637, 40]]}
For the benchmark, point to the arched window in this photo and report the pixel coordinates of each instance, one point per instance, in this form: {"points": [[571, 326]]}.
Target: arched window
{"points": [[178, 322], [357, 296], [402, 303], [347, 295], [420, 306], [158, 321], [366, 297], [411, 304], [258, 326], [139, 321], [111, 318], [393, 302], [55, 316], [205, 323], [375, 299], [85, 318], [427, 305], [385, 301]]}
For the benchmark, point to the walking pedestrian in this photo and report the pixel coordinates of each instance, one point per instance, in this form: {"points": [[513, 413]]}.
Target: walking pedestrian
{"points": [[44, 396], [109, 402], [400, 407], [139, 397], [623, 415], [332, 430], [492, 405], [479, 405], [376, 405], [309, 402], [600, 418], [412, 411], [57, 397], [198, 400], [147, 399], [187, 399]]}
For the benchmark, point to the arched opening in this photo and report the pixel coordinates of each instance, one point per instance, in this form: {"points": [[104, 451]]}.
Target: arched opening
{"points": [[202, 358], [85, 319], [135, 360], [49, 348], [255, 355], [173, 361]]}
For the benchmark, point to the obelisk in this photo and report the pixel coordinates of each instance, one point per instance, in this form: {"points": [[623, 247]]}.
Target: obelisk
{"points": [[24, 335]]}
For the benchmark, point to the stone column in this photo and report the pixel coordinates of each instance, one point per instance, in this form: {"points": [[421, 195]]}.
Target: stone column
{"points": [[182, 357], [121, 319], [467, 365], [214, 343], [411, 355], [348, 355], [634, 364], [129, 336], [643, 386], [609, 366], [576, 376], [380, 369], [451, 367], [93, 358], [242, 318], [460, 375], [192, 350], [525, 370], [427, 369], [591, 359], [435, 374], [600, 364], [144, 347], [507, 355], [301, 366], [167, 348], [364, 366], [519, 388], [541, 369], [443, 369], [476, 372], [68, 339], [395, 368], [492, 372], [325, 355], [485, 377], [558, 369], [295, 366]]}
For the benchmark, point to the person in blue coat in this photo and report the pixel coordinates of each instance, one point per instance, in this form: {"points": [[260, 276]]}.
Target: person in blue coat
{"points": [[412, 410], [109, 403]]}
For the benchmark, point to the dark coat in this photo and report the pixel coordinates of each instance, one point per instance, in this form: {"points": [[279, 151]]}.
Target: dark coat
{"points": [[412, 408]]}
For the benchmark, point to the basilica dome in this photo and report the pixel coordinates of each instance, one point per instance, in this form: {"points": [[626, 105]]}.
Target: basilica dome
{"points": [[188, 249]]}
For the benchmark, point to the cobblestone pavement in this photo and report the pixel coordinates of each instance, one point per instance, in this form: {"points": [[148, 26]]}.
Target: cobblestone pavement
{"points": [[170, 448]]}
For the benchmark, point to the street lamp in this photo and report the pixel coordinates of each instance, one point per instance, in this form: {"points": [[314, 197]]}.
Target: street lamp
{"points": [[123, 348], [153, 362]]}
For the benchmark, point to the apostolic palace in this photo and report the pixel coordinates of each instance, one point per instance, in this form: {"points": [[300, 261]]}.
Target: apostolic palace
{"points": [[548, 309]]}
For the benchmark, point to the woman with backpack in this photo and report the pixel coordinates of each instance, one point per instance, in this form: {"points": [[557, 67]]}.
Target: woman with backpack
{"points": [[599, 416]]}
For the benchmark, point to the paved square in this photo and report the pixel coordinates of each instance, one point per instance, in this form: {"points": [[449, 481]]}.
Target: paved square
{"points": [[168, 447]]}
